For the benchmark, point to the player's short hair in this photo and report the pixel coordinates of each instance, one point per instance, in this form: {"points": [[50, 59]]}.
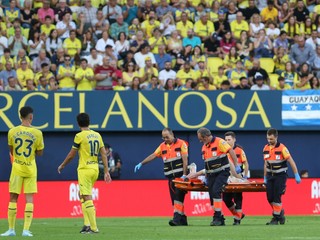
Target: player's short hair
{"points": [[230, 133], [272, 131], [83, 120], [25, 111]]}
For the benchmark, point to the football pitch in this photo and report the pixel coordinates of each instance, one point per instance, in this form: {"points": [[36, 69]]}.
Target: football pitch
{"points": [[157, 228]]}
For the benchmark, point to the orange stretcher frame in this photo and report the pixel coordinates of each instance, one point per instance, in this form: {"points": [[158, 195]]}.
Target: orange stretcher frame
{"points": [[198, 185]]}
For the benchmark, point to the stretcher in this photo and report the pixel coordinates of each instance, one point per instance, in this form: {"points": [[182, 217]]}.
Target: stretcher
{"points": [[198, 185]]}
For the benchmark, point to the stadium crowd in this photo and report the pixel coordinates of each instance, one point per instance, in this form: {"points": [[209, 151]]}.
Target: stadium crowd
{"points": [[159, 45]]}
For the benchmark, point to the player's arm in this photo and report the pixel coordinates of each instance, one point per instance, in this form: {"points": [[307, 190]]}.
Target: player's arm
{"points": [[39, 152], [68, 159], [103, 153]]}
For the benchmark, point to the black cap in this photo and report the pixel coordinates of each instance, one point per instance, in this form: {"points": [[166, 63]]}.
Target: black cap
{"points": [[259, 77]]}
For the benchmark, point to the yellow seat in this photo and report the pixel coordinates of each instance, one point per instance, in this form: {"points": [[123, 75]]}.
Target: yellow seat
{"points": [[25, 32], [267, 64], [213, 63], [273, 80]]}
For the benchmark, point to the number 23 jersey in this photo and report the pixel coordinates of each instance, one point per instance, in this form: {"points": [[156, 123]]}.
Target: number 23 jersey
{"points": [[25, 141]]}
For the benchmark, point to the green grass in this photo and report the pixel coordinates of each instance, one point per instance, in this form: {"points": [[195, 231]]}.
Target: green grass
{"points": [[251, 228]]}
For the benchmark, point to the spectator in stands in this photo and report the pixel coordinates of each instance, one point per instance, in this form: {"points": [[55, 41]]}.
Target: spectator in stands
{"points": [[301, 52], [129, 73], [6, 58], [315, 83], [199, 10], [47, 26], [162, 57], [65, 26], [6, 74], [122, 45], [206, 85], [104, 74], [99, 24], [11, 13], [45, 72], [284, 13], [304, 173], [65, 75], [289, 74], [12, 85], [129, 11], [103, 42], [3, 43], [191, 39], [269, 13], [147, 26], [170, 85], [257, 70], [26, 14], [196, 57], [259, 84], [135, 84], [236, 74], [221, 26], [203, 28], [152, 85], [225, 85], [94, 59], [22, 55], [307, 27], [111, 11], [109, 52], [141, 55], [184, 25], [30, 86], [250, 10], [180, 9], [129, 59], [24, 73], [167, 25], [16, 24], [45, 11], [282, 85], [36, 43], [17, 42], [72, 45], [313, 40], [184, 73], [84, 76], [238, 25], [119, 26], [244, 45], [43, 84], [39, 60], [303, 82], [163, 9], [174, 44], [81, 26], [255, 26], [189, 85], [292, 28], [87, 44], [167, 73], [156, 40], [90, 14], [226, 43], [134, 28], [300, 12], [146, 72], [232, 11], [57, 59], [281, 42], [212, 46], [202, 71], [231, 59], [184, 56], [61, 10], [263, 45], [315, 65], [144, 10], [138, 42], [213, 11], [243, 85], [280, 60]]}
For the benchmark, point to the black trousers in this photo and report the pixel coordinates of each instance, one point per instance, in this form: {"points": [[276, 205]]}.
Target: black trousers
{"points": [[276, 187], [233, 198], [176, 194], [216, 183]]}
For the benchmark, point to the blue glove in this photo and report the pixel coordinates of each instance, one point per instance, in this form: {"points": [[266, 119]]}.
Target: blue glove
{"points": [[297, 177], [238, 169], [184, 177], [265, 180], [137, 167], [245, 177]]}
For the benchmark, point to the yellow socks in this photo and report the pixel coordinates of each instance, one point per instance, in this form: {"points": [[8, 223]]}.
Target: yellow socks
{"points": [[28, 215], [12, 213], [85, 214], [91, 212]]}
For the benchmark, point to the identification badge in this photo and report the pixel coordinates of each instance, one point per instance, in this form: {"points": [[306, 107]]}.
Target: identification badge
{"points": [[266, 155], [214, 154], [178, 154], [278, 157]]}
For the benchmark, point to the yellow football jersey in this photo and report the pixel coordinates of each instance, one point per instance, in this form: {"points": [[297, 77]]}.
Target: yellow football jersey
{"points": [[25, 141], [88, 143]]}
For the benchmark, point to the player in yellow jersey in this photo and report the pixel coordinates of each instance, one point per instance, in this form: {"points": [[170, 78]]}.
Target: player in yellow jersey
{"points": [[89, 144], [25, 142]]}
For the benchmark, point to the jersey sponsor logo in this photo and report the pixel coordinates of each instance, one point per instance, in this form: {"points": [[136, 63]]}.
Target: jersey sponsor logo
{"points": [[23, 163], [91, 162]]}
